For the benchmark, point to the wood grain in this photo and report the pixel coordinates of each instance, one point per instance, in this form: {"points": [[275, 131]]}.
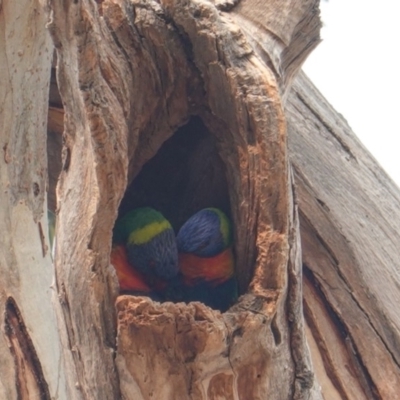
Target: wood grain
{"points": [[350, 224]]}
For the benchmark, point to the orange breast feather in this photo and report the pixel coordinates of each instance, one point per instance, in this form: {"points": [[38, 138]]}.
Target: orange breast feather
{"points": [[129, 278], [218, 269]]}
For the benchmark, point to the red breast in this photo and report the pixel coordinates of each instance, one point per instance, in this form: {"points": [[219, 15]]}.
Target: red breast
{"points": [[129, 278], [217, 269]]}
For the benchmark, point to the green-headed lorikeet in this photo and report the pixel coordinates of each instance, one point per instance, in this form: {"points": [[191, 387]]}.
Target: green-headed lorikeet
{"points": [[151, 251], [206, 260], [130, 280]]}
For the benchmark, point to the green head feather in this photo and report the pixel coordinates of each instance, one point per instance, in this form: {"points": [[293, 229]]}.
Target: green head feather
{"points": [[225, 226], [139, 226]]}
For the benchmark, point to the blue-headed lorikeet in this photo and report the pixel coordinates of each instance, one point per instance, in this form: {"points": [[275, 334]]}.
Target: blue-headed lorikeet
{"points": [[151, 252], [206, 260]]}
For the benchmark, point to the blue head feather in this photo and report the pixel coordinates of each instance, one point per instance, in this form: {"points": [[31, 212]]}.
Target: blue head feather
{"points": [[205, 234]]}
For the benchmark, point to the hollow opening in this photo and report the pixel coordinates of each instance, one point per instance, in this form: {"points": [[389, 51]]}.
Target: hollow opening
{"points": [[185, 176]]}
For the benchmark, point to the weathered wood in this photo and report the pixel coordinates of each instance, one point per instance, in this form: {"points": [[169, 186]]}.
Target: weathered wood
{"points": [[130, 74], [128, 80], [31, 361], [350, 224], [227, 102], [191, 352], [283, 39], [91, 183]]}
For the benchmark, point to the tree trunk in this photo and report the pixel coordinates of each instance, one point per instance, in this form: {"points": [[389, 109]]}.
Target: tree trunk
{"points": [[183, 104], [350, 224], [31, 360]]}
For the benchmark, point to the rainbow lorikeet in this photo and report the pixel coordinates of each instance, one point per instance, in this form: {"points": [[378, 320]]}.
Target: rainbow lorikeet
{"points": [[206, 260], [151, 251]]}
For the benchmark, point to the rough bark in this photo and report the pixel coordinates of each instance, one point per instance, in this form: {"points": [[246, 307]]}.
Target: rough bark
{"points": [[128, 80], [31, 363], [350, 224], [189, 97]]}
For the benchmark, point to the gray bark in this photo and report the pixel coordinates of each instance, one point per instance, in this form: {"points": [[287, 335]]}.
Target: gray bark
{"points": [[350, 224], [314, 210], [31, 359]]}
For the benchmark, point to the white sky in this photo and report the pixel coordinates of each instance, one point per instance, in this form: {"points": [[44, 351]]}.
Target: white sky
{"points": [[357, 68]]}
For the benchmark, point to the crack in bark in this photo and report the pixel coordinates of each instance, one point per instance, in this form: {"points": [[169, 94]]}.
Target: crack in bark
{"points": [[375, 330], [331, 372], [334, 261], [275, 331], [229, 340], [42, 240], [325, 245], [304, 376], [359, 367], [348, 287], [252, 310], [29, 378], [317, 116]]}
